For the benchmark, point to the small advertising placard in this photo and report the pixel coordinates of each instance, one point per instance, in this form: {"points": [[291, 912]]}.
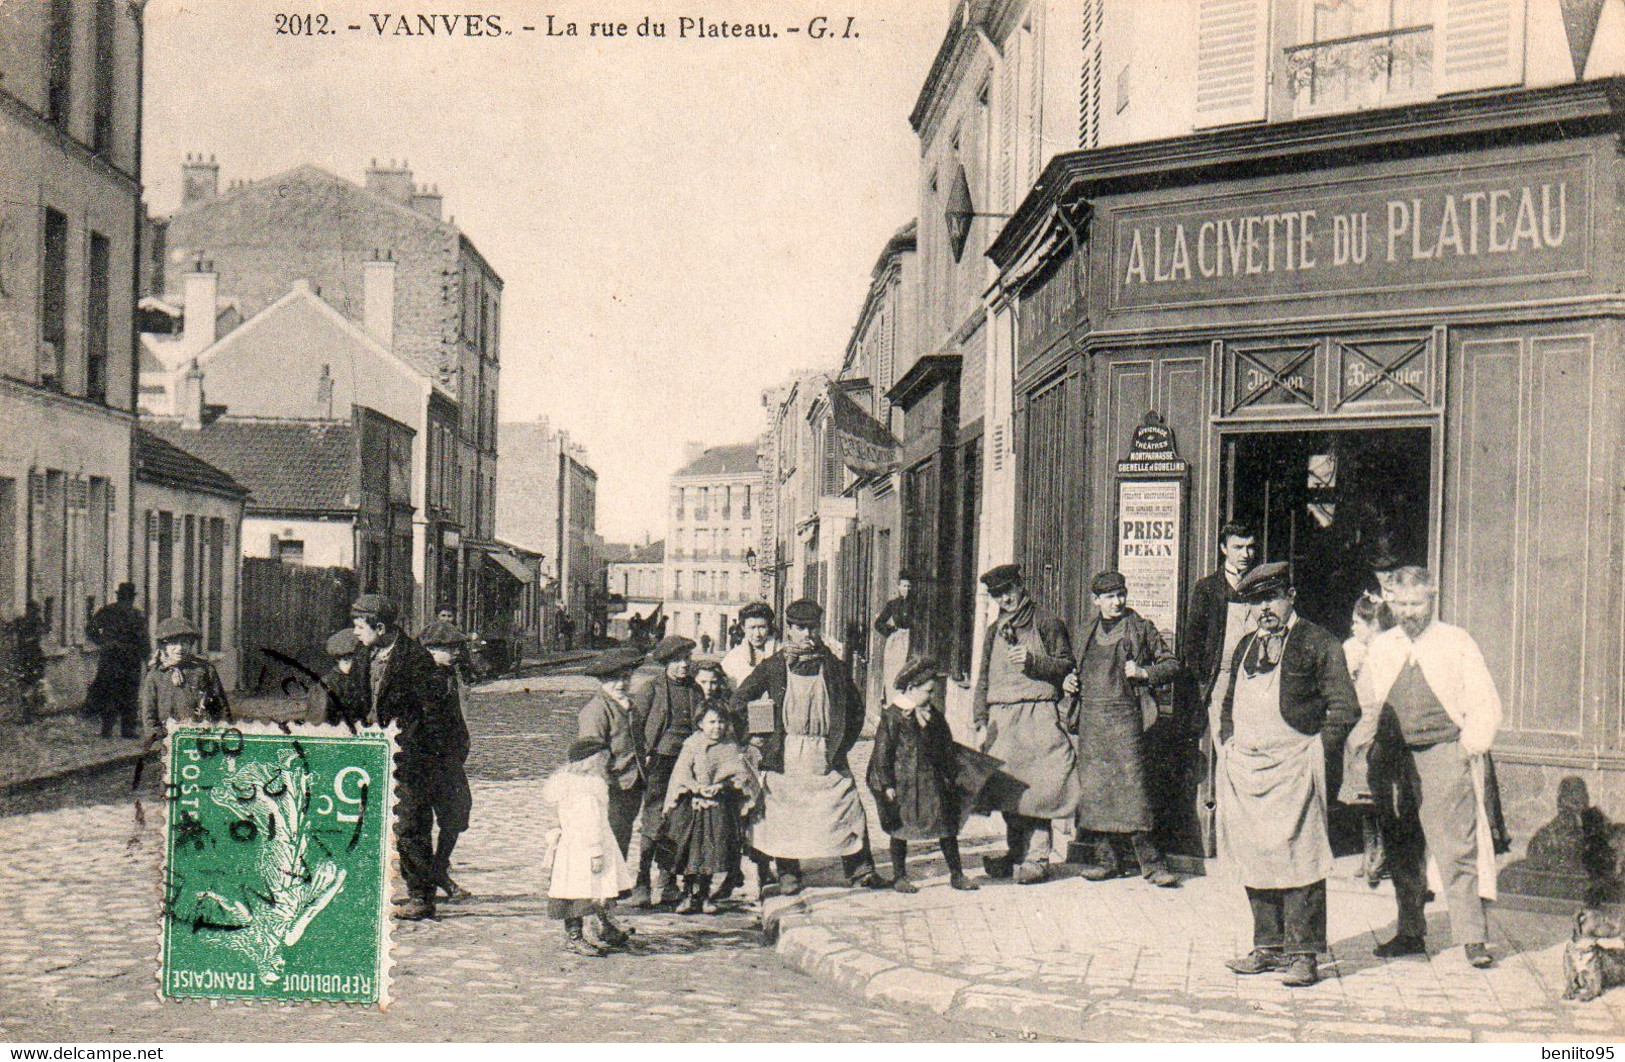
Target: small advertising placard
{"points": [[1150, 524]]}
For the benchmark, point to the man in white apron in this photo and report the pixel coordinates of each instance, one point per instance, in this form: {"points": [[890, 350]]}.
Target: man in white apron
{"points": [[1439, 712], [1288, 699]]}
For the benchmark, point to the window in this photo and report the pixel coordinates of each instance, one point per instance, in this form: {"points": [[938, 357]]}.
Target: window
{"points": [[54, 300], [744, 510], [101, 130], [96, 322], [677, 585], [702, 585], [59, 62], [727, 502], [97, 567], [1361, 53], [188, 566], [725, 591], [702, 507], [289, 550]]}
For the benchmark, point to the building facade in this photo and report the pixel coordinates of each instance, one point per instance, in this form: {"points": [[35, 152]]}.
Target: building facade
{"points": [[711, 541], [384, 258], [1373, 311], [550, 507], [634, 577], [70, 172]]}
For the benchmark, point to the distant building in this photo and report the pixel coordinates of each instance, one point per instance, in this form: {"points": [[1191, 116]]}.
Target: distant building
{"points": [[550, 507], [634, 576], [407, 279], [188, 561], [711, 545]]}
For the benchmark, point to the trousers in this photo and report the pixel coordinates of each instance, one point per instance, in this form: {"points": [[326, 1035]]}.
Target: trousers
{"points": [[414, 841], [1027, 838], [1438, 813], [1292, 921], [1108, 847], [624, 805]]}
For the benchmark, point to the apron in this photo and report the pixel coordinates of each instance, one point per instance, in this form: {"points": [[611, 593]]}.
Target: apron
{"points": [[1111, 754], [892, 659], [808, 811], [1272, 793], [1237, 624]]}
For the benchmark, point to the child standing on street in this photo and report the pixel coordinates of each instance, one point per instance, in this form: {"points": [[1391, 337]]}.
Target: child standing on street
{"points": [[589, 871], [713, 789], [912, 771]]}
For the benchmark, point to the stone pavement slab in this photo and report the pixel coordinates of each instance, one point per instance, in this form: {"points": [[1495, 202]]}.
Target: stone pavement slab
{"points": [[1121, 960]]}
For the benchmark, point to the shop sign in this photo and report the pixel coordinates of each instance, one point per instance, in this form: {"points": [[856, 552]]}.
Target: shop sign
{"points": [[1438, 228], [1150, 523]]}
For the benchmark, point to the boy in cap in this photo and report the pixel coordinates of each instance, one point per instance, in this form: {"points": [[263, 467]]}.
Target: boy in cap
{"points": [[1026, 656], [607, 718], [810, 806], [665, 712], [449, 792], [181, 685], [340, 698], [1289, 700], [1122, 657]]}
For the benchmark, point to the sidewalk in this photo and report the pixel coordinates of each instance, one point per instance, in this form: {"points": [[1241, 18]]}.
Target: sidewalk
{"points": [[1121, 960]]}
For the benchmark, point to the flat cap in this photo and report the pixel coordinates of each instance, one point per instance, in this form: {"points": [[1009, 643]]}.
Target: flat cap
{"points": [[443, 635], [670, 648], [376, 606], [1108, 583], [585, 749], [804, 613], [1265, 582], [918, 669], [998, 580], [614, 662], [342, 643], [175, 627]]}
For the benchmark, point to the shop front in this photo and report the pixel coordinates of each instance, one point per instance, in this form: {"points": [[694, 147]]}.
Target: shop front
{"points": [[1379, 339]]}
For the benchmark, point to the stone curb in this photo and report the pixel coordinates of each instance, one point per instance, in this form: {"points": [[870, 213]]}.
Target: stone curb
{"points": [[28, 785]]}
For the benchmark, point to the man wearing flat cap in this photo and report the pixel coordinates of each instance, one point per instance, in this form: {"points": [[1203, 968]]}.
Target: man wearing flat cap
{"points": [[1289, 699], [340, 698], [446, 735], [1122, 656], [664, 710], [607, 719], [810, 804], [400, 677], [1026, 656]]}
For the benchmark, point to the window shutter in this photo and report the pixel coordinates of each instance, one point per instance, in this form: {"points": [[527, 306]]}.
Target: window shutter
{"points": [[1232, 67], [1008, 80], [1480, 44], [1089, 110]]}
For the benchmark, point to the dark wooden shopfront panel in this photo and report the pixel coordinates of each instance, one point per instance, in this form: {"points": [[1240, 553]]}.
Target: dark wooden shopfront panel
{"points": [[1051, 476]]}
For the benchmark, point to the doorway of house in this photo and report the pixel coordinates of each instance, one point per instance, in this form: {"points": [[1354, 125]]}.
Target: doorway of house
{"points": [[1338, 505]]}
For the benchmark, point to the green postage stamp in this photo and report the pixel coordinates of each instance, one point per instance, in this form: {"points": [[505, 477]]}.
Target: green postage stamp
{"points": [[277, 856]]}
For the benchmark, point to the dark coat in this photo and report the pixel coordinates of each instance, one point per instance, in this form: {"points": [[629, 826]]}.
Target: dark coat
{"points": [[604, 720], [772, 678], [896, 616], [197, 698], [341, 699], [1202, 643], [918, 763], [1317, 695], [119, 632], [410, 680], [663, 714], [444, 730], [1051, 665]]}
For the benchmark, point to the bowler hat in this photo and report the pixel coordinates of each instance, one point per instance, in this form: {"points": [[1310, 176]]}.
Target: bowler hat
{"points": [[442, 635], [125, 591], [1108, 583], [175, 628], [1265, 582], [614, 662], [999, 579], [374, 606], [585, 749], [804, 613], [342, 643], [671, 647]]}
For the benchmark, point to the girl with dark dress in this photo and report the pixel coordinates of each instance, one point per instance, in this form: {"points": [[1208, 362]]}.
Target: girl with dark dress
{"points": [[712, 791], [912, 771]]}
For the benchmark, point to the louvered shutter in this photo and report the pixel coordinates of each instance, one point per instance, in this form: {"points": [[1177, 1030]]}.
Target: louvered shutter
{"points": [[1089, 109], [1008, 80], [1480, 44], [1232, 63]]}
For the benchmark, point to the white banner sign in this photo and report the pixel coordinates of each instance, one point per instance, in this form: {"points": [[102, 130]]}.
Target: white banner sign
{"points": [[1149, 519]]}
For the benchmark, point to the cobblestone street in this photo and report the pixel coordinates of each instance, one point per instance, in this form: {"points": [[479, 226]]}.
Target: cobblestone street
{"points": [[77, 950]]}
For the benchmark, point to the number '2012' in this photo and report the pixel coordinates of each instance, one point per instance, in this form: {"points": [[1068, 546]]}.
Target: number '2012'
{"points": [[301, 25]]}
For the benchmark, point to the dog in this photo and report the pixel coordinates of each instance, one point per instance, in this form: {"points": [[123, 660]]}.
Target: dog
{"points": [[1594, 959]]}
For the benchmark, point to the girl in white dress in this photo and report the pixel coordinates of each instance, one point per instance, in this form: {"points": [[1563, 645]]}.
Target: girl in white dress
{"points": [[588, 869]]}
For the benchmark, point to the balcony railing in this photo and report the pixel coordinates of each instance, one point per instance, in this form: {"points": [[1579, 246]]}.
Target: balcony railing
{"points": [[1363, 70]]}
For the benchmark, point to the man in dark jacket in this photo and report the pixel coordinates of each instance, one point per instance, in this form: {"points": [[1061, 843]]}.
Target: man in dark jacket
{"points": [[1289, 701], [810, 805], [1026, 656], [341, 698], [664, 710], [447, 735], [1217, 618], [400, 682], [119, 632]]}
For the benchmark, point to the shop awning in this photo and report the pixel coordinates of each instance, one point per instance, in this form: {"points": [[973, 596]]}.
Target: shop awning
{"points": [[512, 567]]}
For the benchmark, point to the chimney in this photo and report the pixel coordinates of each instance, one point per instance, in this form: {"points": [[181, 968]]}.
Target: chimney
{"points": [[378, 297], [202, 307], [428, 201], [189, 397], [200, 179], [392, 181], [692, 452]]}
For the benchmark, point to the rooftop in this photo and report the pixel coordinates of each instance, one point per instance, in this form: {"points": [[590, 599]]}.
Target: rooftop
{"points": [[287, 465], [159, 461], [738, 459]]}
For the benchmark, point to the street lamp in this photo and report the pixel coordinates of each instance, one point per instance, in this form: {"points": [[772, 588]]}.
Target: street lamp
{"points": [[750, 558]]}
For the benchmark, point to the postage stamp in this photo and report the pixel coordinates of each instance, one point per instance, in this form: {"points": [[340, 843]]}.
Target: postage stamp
{"points": [[277, 856]]}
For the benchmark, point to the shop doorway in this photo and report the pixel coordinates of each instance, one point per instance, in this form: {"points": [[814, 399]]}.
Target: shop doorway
{"points": [[1338, 505]]}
